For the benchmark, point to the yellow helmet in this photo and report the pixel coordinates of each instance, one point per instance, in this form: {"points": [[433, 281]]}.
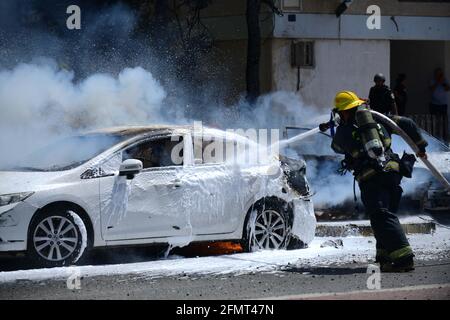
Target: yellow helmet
{"points": [[346, 100]]}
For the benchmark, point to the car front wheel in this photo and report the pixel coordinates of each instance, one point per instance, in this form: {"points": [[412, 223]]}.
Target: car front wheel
{"points": [[57, 237], [267, 228]]}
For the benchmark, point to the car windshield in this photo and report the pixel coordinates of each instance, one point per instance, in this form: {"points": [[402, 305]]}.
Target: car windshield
{"points": [[67, 153]]}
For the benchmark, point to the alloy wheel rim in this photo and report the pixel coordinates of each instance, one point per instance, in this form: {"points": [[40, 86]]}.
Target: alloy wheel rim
{"points": [[55, 238], [270, 230]]}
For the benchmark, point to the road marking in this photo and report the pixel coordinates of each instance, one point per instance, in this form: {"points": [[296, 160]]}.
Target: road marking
{"points": [[367, 294]]}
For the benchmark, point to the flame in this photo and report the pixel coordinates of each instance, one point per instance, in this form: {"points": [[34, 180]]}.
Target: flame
{"points": [[211, 249]]}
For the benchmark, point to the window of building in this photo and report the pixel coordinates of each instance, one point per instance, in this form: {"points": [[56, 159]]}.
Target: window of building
{"points": [[291, 5], [302, 54]]}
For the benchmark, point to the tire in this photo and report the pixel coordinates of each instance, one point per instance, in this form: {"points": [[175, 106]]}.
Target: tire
{"points": [[267, 228], [51, 244], [295, 244]]}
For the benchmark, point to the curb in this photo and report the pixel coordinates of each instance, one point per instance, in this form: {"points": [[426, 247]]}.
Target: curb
{"points": [[362, 228]]}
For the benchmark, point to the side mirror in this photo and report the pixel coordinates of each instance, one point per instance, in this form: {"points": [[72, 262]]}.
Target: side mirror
{"points": [[130, 168]]}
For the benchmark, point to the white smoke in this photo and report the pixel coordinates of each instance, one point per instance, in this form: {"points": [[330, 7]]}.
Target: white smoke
{"points": [[40, 101], [330, 188]]}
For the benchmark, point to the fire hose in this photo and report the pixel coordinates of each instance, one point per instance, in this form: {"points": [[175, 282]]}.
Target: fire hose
{"points": [[389, 122]]}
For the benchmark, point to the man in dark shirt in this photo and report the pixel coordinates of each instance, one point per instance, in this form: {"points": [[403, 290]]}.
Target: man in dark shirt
{"points": [[381, 98]]}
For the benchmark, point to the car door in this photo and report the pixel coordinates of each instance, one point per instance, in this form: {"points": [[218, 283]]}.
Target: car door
{"points": [[219, 191], [153, 204]]}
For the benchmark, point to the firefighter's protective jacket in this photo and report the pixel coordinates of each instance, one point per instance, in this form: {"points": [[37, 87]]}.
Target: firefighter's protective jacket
{"points": [[347, 141]]}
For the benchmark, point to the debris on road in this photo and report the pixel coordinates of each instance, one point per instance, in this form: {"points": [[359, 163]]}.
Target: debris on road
{"points": [[338, 243]]}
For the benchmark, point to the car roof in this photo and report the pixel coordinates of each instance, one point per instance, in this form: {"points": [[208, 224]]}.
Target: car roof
{"points": [[137, 130], [133, 132]]}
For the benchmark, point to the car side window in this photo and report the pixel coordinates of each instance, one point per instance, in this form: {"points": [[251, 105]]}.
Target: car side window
{"points": [[112, 164], [155, 153], [213, 151], [209, 151]]}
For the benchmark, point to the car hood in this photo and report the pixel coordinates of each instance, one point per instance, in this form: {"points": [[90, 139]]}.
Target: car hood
{"points": [[19, 181]]}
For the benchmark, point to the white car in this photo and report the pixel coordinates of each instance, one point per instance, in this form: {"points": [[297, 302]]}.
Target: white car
{"points": [[148, 185]]}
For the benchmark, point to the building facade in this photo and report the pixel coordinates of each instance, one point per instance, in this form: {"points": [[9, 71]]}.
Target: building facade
{"points": [[343, 53]]}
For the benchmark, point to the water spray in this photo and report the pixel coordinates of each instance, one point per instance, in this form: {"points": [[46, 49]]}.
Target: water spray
{"points": [[298, 137]]}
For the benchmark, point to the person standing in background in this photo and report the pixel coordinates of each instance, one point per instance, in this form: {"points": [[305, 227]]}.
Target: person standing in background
{"points": [[381, 98], [401, 97], [439, 88]]}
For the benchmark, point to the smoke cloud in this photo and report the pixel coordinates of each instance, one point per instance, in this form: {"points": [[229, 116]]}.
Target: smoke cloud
{"points": [[40, 102]]}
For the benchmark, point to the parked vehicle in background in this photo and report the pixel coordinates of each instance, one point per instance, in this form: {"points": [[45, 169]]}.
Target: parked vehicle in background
{"points": [[422, 192]]}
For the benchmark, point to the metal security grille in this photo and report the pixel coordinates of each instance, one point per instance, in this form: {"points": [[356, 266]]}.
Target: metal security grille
{"points": [[302, 54], [436, 125]]}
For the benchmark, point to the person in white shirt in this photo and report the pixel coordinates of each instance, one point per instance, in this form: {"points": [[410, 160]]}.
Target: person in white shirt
{"points": [[439, 88]]}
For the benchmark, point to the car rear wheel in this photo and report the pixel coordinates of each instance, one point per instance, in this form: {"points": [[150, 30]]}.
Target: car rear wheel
{"points": [[267, 228], [57, 237]]}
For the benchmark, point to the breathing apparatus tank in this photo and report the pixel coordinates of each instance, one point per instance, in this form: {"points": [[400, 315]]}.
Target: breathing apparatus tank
{"points": [[369, 133]]}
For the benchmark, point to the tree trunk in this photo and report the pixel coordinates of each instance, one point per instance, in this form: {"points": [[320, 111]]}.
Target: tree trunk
{"points": [[253, 49], [162, 11]]}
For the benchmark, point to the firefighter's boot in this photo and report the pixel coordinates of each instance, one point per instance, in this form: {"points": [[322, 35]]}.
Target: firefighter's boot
{"points": [[401, 260]]}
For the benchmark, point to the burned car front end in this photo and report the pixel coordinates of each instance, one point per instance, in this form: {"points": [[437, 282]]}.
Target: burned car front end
{"points": [[272, 193], [304, 219]]}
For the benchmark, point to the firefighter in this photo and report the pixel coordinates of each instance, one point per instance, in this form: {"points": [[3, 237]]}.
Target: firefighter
{"points": [[366, 145], [381, 98]]}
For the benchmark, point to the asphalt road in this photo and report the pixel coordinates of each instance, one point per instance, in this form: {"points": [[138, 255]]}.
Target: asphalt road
{"points": [[307, 279], [430, 280]]}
